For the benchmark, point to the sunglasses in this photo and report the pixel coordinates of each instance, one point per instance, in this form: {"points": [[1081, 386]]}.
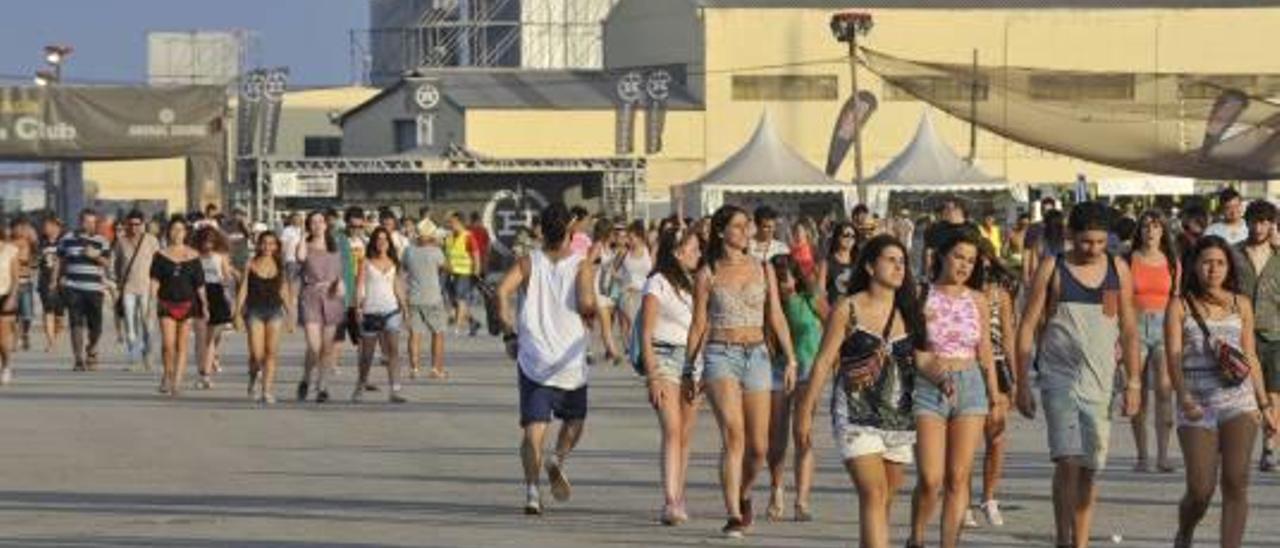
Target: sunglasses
{"points": [[847, 234]]}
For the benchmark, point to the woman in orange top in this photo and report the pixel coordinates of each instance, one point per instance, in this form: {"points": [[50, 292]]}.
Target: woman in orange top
{"points": [[1155, 269]]}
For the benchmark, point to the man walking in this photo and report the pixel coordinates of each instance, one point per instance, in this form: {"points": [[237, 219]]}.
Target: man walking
{"points": [[80, 276], [1260, 281], [1087, 297], [464, 269], [1232, 227], [131, 267], [423, 263], [765, 245]]}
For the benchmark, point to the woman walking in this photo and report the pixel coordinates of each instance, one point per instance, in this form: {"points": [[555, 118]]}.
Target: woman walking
{"points": [[261, 307], [872, 344], [954, 393], [735, 295], [634, 266], [804, 311], [1000, 285], [219, 278], [1218, 415], [177, 284], [380, 298], [837, 270], [665, 318], [1154, 266], [321, 302]]}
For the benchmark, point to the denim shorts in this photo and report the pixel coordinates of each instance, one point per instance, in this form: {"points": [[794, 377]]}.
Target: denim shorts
{"points": [[970, 397], [1077, 428], [747, 364], [1151, 333], [780, 368], [669, 362]]}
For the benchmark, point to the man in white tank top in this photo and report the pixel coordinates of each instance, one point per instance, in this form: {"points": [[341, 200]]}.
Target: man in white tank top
{"points": [[550, 343]]}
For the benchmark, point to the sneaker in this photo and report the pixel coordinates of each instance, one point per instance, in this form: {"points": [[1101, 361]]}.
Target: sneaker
{"points": [[734, 528], [395, 397], [268, 399], [302, 391], [369, 387], [357, 395], [6, 376], [560, 487], [748, 516], [992, 510], [970, 521], [1268, 461], [322, 396], [532, 501]]}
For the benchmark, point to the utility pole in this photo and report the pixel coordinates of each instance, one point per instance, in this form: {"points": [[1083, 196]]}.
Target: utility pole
{"points": [[973, 111], [846, 27]]}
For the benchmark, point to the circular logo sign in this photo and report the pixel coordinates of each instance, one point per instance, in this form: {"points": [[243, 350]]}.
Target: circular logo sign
{"points": [[507, 213], [631, 87], [167, 116], [275, 85], [659, 85], [427, 96], [251, 89]]}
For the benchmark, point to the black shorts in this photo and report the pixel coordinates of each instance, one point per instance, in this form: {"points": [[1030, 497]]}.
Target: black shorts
{"points": [[51, 302], [84, 308], [538, 402]]}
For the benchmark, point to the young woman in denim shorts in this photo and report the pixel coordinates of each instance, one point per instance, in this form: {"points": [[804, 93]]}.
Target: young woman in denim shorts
{"points": [[261, 307], [729, 308], [871, 418], [1217, 421], [1154, 267], [665, 315], [956, 389]]}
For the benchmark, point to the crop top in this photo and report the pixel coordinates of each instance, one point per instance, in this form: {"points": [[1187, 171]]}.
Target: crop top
{"points": [[952, 324], [731, 308], [1151, 285]]}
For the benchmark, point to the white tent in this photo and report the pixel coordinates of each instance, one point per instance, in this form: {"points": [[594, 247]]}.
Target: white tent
{"points": [[927, 164], [765, 168]]}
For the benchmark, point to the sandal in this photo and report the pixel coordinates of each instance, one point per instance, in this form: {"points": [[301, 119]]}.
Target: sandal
{"points": [[438, 375], [803, 515], [775, 512]]}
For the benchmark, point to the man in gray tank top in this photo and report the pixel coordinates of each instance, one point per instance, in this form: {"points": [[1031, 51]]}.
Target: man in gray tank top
{"points": [[1085, 298]]}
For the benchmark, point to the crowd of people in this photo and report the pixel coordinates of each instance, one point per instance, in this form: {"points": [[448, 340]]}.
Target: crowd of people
{"points": [[928, 332]]}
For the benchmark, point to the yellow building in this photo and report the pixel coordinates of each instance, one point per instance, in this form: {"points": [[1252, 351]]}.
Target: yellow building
{"points": [[306, 129], [746, 56]]}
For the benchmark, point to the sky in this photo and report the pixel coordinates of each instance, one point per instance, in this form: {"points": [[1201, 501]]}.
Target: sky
{"points": [[311, 37]]}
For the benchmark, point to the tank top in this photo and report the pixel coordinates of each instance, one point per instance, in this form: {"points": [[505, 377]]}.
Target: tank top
{"points": [[552, 342], [731, 308], [1198, 363], [839, 275], [635, 270], [212, 266], [379, 290], [263, 292], [1072, 291], [459, 255], [1151, 285], [952, 324]]}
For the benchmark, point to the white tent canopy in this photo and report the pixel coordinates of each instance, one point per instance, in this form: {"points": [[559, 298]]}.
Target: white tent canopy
{"points": [[928, 164], [764, 165]]}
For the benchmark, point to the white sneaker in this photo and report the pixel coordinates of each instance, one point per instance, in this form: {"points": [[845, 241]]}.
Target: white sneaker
{"points": [[970, 522], [358, 394], [992, 510], [532, 501], [6, 376], [560, 486]]}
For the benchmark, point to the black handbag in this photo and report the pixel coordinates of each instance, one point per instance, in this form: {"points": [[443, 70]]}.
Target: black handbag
{"points": [[862, 354]]}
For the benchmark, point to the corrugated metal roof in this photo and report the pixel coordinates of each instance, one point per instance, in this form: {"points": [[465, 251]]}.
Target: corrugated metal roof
{"points": [[530, 89], [984, 4]]}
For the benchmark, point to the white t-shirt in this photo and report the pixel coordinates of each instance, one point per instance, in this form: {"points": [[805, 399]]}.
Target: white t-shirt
{"points": [[675, 311], [1233, 234], [768, 250], [289, 238]]}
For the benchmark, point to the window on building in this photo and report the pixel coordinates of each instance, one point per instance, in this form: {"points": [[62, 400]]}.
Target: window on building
{"points": [[322, 147], [406, 135], [1081, 87], [941, 88], [786, 87]]}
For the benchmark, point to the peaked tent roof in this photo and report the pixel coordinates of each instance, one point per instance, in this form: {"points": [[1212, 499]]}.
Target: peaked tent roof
{"points": [[927, 162], [765, 160]]}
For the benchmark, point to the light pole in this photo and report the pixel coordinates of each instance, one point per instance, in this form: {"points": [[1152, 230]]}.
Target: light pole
{"points": [[54, 57], [846, 27]]}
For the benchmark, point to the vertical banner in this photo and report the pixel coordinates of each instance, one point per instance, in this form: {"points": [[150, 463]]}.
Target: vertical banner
{"points": [[1226, 110], [424, 100], [854, 115], [658, 89], [247, 112], [273, 88], [631, 90]]}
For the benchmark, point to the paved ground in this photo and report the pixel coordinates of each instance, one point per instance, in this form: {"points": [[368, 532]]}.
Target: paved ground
{"points": [[100, 460]]}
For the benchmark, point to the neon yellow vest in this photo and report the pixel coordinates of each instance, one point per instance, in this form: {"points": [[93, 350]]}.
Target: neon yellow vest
{"points": [[459, 257]]}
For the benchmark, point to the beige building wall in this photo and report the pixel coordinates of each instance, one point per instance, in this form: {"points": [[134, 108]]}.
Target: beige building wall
{"points": [[306, 114], [589, 134], [756, 41]]}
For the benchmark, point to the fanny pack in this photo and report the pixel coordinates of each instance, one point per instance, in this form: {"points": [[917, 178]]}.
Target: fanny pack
{"points": [[863, 355], [1232, 363]]}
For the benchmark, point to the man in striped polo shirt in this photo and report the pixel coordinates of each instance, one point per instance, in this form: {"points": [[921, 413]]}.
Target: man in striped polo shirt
{"points": [[83, 258]]}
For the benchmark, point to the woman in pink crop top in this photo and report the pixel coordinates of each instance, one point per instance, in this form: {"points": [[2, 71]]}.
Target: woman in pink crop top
{"points": [[1155, 272], [956, 389]]}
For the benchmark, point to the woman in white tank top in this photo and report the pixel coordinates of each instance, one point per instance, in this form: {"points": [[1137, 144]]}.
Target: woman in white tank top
{"points": [[8, 301], [380, 298], [634, 268]]}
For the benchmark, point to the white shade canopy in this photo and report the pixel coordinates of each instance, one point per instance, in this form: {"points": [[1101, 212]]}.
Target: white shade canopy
{"points": [[928, 163], [765, 160]]}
